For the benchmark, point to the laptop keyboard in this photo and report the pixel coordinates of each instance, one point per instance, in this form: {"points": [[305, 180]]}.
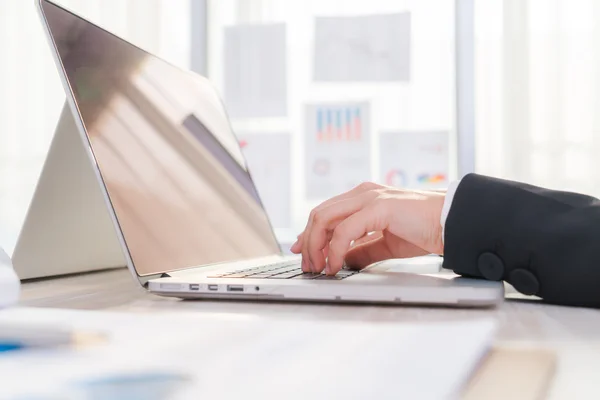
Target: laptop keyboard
{"points": [[283, 270]]}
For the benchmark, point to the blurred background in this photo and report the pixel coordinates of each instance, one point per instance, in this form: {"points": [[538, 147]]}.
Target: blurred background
{"points": [[323, 94]]}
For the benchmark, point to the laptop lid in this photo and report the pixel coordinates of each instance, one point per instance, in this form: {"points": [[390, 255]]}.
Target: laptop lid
{"points": [[170, 167]]}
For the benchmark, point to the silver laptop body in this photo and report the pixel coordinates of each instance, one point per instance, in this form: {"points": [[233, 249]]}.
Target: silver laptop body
{"points": [[177, 191]]}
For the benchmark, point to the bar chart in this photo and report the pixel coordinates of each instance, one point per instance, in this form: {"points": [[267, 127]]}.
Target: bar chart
{"points": [[337, 147], [339, 124]]}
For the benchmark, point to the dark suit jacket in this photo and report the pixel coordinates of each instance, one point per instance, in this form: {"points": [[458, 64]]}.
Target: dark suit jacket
{"points": [[543, 242]]}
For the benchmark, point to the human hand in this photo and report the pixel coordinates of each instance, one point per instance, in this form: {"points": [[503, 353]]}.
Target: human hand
{"points": [[370, 223]]}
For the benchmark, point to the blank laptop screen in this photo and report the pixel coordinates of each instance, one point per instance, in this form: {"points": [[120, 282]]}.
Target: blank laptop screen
{"points": [[171, 166]]}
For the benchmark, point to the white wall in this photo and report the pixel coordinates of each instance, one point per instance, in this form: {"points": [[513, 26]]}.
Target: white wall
{"points": [[31, 95]]}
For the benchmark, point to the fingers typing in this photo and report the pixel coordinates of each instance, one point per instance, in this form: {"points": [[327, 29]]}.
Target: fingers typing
{"points": [[324, 222], [303, 246], [370, 218]]}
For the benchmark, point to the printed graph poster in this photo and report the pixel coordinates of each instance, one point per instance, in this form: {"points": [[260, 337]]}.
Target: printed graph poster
{"points": [[268, 158], [338, 146], [373, 48], [255, 71], [416, 160]]}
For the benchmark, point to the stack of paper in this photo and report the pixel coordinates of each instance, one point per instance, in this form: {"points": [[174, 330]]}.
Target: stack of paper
{"points": [[239, 356]]}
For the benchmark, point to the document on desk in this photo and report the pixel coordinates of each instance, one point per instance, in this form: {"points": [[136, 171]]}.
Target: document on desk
{"points": [[230, 356]]}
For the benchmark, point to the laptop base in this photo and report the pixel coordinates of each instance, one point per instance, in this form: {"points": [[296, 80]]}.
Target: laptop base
{"points": [[378, 284]]}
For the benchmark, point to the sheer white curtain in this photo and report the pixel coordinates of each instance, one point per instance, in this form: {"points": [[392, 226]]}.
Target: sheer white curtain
{"points": [[538, 92], [31, 94]]}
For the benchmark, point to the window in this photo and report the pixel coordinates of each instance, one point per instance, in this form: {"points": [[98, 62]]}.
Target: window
{"points": [[333, 93]]}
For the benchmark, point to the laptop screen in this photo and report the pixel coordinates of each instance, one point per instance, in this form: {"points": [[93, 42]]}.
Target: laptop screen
{"points": [[162, 141]]}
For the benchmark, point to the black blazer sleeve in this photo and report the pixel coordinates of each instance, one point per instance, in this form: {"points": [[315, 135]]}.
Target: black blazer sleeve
{"points": [[543, 242]]}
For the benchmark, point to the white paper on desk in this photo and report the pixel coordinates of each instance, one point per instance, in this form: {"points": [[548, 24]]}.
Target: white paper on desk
{"points": [[371, 48], [255, 70], [230, 357]]}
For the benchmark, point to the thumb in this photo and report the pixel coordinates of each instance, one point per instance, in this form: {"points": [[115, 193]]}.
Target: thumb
{"points": [[383, 248]]}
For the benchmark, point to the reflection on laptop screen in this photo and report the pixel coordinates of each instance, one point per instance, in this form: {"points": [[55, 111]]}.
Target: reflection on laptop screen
{"points": [[170, 163]]}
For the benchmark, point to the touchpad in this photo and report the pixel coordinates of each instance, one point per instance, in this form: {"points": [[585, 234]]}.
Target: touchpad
{"points": [[421, 265]]}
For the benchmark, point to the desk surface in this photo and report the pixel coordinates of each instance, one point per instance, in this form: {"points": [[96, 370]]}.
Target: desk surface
{"points": [[572, 332]]}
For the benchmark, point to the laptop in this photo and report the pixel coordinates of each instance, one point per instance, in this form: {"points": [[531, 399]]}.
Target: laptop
{"points": [[175, 186]]}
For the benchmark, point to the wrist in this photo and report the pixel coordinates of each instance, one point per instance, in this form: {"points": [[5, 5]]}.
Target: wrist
{"points": [[437, 229]]}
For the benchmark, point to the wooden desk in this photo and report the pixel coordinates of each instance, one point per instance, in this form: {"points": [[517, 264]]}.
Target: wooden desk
{"points": [[572, 332]]}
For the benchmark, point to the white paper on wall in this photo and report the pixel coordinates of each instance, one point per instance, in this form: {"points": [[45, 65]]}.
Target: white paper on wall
{"points": [[363, 48], [337, 151], [255, 71], [268, 158], [414, 159]]}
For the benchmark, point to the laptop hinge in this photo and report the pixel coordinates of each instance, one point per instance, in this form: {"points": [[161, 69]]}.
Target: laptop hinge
{"points": [[165, 275]]}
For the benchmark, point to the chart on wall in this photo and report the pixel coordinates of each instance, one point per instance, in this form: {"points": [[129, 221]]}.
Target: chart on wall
{"points": [[255, 71], [268, 158], [338, 146], [371, 48], [414, 159]]}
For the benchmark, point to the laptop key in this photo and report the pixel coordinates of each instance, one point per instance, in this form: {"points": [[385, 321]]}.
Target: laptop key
{"points": [[259, 276], [289, 269], [240, 275], [265, 271], [278, 271], [286, 275]]}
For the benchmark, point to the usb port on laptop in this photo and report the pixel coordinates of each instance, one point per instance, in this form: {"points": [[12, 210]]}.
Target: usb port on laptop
{"points": [[194, 286], [235, 288], [214, 288]]}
